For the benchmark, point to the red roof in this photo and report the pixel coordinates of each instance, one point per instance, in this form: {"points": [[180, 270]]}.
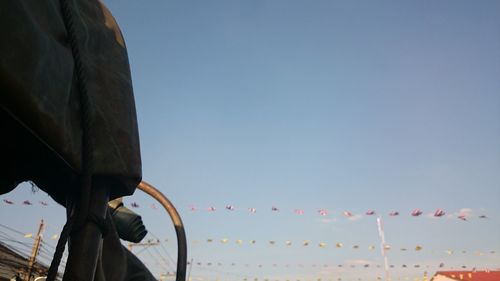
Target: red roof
{"points": [[471, 275]]}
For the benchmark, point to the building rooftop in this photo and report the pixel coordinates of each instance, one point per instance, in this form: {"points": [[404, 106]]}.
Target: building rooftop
{"points": [[467, 276]]}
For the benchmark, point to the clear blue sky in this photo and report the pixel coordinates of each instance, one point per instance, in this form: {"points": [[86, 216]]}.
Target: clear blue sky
{"points": [[342, 105]]}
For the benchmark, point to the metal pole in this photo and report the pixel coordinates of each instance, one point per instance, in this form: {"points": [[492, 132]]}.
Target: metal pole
{"points": [[383, 246], [179, 228], [34, 251]]}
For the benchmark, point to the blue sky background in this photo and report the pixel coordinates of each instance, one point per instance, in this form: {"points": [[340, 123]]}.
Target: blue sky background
{"points": [[341, 105]]}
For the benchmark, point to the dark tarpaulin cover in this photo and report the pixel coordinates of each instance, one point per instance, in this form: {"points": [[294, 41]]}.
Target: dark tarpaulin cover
{"points": [[38, 85]]}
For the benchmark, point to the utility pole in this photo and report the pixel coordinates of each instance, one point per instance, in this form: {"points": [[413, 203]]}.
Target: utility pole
{"points": [[34, 251]]}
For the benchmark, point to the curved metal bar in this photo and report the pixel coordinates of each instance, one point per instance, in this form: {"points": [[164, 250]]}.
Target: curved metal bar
{"points": [[179, 227]]}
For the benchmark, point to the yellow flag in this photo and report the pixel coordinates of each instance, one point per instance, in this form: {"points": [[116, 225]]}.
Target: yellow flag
{"points": [[28, 235]]}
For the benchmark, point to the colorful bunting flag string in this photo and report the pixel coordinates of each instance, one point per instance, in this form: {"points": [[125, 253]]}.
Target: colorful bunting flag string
{"points": [[338, 245], [321, 211], [367, 264], [337, 276]]}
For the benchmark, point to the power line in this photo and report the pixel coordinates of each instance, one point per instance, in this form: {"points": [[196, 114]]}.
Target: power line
{"points": [[154, 258], [164, 249], [164, 260], [11, 229]]}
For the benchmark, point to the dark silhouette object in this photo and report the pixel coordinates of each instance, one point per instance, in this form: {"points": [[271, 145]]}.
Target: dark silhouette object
{"points": [[128, 223], [68, 121]]}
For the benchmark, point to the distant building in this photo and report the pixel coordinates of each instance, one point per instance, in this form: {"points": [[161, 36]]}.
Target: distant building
{"points": [[466, 276]]}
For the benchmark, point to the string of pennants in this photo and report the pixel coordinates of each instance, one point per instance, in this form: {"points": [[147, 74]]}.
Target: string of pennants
{"points": [[318, 278], [322, 212], [307, 243], [467, 274], [462, 271], [30, 235], [338, 277], [326, 265], [25, 202]]}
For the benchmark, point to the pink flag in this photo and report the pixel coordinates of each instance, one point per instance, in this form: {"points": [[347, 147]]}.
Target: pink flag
{"points": [[416, 212], [8, 201], [439, 213], [299, 212], [394, 213]]}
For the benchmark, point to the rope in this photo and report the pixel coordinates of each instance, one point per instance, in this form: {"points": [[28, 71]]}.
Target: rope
{"points": [[87, 145], [61, 245], [70, 228]]}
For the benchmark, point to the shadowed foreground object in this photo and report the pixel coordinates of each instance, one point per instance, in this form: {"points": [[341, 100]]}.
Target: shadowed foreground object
{"points": [[128, 224], [68, 117]]}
